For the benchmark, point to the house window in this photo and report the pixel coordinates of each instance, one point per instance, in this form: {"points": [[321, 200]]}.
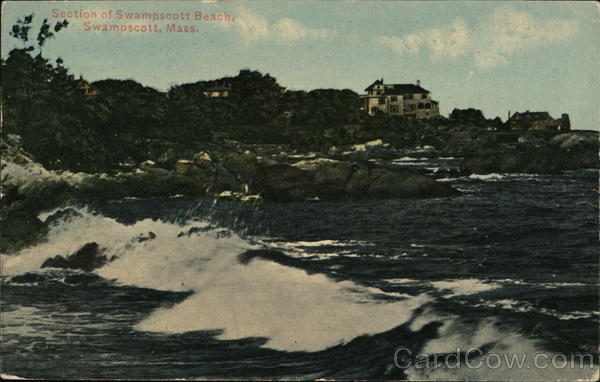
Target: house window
{"points": [[382, 100], [420, 106], [427, 106], [393, 109], [379, 92], [394, 99], [423, 96], [374, 109], [412, 107], [408, 96]]}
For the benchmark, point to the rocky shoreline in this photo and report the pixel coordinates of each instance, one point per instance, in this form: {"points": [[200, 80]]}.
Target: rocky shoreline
{"points": [[232, 170]]}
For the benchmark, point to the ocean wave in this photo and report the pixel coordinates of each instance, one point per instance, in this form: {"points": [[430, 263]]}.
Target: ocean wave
{"points": [[496, 177], [455, 336], [527, 307], [294, 310]]}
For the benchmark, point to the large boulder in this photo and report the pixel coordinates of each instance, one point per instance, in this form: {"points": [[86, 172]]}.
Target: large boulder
{"points": [[574, 140], [336, 180], [575, 150], [87, 258], [203, 160], [167, 159], [379, 183]]}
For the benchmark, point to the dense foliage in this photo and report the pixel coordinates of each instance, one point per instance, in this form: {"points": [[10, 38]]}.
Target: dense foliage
{"points": [[128, 122]]}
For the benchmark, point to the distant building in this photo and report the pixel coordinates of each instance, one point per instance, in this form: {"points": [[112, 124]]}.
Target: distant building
{"points": [[217, 91], [88, 89], [409, 100], [538, 120]]}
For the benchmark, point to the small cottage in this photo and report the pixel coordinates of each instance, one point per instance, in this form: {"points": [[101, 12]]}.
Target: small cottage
{"points": [[88, 89], [217, 91], [538, 120]]}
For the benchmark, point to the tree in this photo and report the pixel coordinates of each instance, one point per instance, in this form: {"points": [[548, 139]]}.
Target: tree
{"points": [[42, 104]]}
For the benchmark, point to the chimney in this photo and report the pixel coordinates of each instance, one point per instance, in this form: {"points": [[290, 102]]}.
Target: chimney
{"points": [[382, 80], [508, 115], [418, 82]]}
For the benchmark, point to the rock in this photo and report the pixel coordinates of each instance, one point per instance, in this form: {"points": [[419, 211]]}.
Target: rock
{"points": [[244, 166], [368, 145], [55, 262], [194, 230], [574, 140], [28, 278], [313, 164], [147, 164], [269, 255], [20, 228], [83, 279], [182, 166], [333, 173], [387, 184], [540, 161], [203, 160], [571, 151], [167, 159], [128, 164], [530, 141], [65, 215], [87, 258], [141, 238]]}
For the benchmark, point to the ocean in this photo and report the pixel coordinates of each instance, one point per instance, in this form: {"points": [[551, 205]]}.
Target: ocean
{"points": [[317, 290]]}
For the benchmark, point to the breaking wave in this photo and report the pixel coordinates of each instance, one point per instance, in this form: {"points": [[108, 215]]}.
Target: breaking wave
{"points": [[292, 309], [242, 288]]}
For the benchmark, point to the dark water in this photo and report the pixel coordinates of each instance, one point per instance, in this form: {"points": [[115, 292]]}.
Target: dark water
{"points": [[510, 267]]}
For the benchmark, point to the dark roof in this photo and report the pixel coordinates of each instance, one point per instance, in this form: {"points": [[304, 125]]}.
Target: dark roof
{"points": [[83, 82], [398, 89], [217, 89], [378, 82], [531, 115], [406, 89]]}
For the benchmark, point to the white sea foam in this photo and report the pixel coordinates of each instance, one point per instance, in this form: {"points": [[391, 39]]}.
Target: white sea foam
{"points": [[506, 345], [292, 309], [409, 159], [492, 176], [524, 306], [461, 287], [496, 177], [8, 377]]}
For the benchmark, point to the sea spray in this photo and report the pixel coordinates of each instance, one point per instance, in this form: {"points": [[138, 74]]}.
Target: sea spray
{"points": [[292, 309]]}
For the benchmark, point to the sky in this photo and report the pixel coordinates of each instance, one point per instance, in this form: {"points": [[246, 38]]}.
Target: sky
{"points": [[493, 56]]}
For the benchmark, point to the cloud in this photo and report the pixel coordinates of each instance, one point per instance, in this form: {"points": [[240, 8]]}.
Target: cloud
{"points": [[449, 41], [251, 25], [452, 41], [512, 30], [290, 30], [254, 27], [487, 59], [508, 31], [502, 33]]}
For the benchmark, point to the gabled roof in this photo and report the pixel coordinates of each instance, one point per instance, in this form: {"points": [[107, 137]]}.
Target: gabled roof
{"points": [[531, 115], [378, 82], [406, 89], [81, 83], [398, 89]]}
